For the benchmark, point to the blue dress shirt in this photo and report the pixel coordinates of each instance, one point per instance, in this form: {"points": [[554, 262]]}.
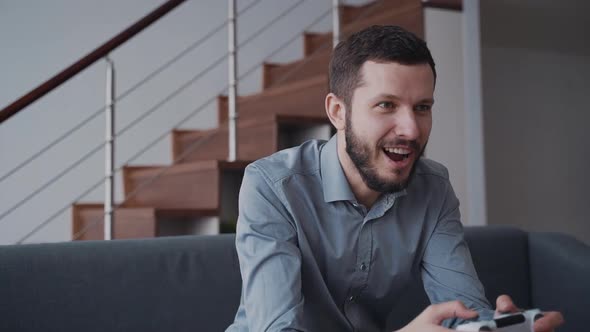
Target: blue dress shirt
{"points": [[312, 258]]}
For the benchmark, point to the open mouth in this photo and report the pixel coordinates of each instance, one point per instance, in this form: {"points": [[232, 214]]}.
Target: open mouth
{"points": [[397, 154]]}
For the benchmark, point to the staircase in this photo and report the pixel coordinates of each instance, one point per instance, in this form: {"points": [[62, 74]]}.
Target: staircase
{"points": [[199, 192]]}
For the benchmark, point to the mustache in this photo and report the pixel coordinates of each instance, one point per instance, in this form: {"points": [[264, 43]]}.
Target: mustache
{"points": [[409, 144]]}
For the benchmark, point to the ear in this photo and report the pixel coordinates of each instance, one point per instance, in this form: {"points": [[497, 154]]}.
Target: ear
{"points": [[336, 111]]}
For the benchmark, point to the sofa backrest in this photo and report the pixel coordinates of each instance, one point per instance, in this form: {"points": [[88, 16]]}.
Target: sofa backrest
{"points": [[185, 283], [164, 284], [500, 256]]}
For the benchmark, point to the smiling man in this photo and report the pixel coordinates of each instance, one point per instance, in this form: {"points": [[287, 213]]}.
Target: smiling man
{"points": [[330, 233]]}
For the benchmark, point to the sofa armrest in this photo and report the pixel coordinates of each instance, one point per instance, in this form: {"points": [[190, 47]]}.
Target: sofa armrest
{"points": [[560, 277]]}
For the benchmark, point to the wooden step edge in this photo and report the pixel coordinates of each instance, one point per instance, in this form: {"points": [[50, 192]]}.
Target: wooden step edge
{"points": [[171, 168], [79, 225], [222, 106], [401, 10], [180, 134], [175, 144], [274, 91], [456, 5], [269, 66], [234, 165], [191, 166], [348, 13], [266, 69], [310, 37], [243, 124], [288, 87], [302, 119], [179, 213], [76, 225]]}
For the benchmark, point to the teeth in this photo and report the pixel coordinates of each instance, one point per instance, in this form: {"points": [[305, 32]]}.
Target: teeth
{"points": [[397, 150]]}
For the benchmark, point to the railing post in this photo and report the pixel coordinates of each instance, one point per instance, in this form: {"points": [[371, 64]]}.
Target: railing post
{"points": [[232, 93], [109, 215], [335, 23]]}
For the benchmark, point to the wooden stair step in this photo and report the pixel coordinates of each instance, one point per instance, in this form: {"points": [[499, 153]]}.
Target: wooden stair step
{"points": [[131, 222], [275, 74], [303, 97], [256, 139], [210, 185], [183, 139], [318, 46], [405, 13], [313, 64], [257, 125]]}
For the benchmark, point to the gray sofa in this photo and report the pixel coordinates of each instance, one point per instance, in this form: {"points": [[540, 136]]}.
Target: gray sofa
{"points": [[193, 283]]}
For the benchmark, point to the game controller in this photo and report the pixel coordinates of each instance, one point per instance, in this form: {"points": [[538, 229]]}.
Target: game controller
{"points": [[514, 322]]}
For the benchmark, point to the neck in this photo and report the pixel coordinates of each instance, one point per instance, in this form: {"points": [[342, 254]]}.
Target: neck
{"points": [[362, 192]]}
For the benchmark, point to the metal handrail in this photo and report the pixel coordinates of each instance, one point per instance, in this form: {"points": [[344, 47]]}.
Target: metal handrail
{"points": [[141, 117], [187, 151], [120, 132], [127, 92], [87, 60], [191, 147]]}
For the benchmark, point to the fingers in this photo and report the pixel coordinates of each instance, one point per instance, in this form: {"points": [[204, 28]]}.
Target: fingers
{"points": [[504, 305], [549, 321], [436, 313]]}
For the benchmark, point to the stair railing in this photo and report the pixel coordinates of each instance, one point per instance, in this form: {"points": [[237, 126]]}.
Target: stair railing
{"points": [[133, 123], [335, 23], [189, 149], [109, 189], [233, 84], [193, 146], [66, 74]]}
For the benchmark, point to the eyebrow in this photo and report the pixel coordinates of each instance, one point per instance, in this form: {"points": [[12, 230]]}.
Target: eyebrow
{"points": [[390, 96]]}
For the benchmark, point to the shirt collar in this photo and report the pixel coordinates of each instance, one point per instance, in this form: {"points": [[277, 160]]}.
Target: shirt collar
{"points": [[334, 182]]}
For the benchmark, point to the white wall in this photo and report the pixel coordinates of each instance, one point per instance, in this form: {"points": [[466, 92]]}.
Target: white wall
{"points": [[447, 144], [535, 69]]}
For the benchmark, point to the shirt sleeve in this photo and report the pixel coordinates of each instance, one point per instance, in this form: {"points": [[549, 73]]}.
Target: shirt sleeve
{"points": [[270, 260], [447, 269]]}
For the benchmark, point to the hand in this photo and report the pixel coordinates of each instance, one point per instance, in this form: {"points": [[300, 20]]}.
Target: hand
{"points": [[550, 320], [429, 320]]}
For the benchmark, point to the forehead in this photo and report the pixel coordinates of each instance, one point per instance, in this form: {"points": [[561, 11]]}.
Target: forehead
{"points": [[392, 78]]}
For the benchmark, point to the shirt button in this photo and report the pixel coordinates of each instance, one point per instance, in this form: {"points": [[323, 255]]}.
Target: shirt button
{"points": [[351, 298], [363, 267]]}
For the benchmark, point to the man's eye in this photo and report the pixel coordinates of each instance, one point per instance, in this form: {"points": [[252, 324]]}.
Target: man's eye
{"points": [[386, 104], [423, 108]]}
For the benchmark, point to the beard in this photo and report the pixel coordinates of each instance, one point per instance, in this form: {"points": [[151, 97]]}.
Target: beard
{"points": [[360, 154]]}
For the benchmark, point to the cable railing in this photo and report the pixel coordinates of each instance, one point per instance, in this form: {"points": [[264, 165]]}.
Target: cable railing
{"points": [[139, 119], [145, 184], [164, 134], [88, 60], [150, 111], [125, 93]]}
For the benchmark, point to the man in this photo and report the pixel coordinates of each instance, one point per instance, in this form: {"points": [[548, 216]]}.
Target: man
{"points": [[330, 233]]}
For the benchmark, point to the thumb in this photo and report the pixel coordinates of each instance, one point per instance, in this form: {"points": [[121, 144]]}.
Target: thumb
{"points": [[504, 304], [436, 313]]}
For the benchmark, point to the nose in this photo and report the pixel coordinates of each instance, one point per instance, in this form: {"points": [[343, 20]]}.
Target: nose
{"points": [[406, 125]]}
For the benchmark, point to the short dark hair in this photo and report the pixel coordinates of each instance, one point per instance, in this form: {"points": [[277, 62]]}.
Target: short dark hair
{"points": [[378, 43]]}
